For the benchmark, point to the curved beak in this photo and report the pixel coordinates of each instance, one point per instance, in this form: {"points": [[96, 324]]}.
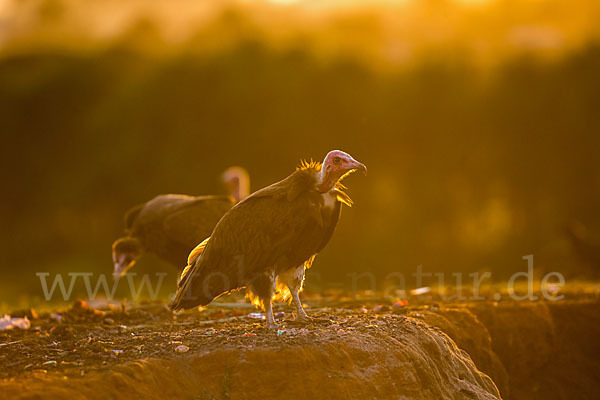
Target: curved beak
{"points": [[362, 167], [358, 166], [121, 266]]}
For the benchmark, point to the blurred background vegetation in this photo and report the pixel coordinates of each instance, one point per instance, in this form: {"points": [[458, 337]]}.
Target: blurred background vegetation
{"points": [[479, 122]]}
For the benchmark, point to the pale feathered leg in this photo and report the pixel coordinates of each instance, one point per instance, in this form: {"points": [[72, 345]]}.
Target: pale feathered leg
{"points": [[301, 314], [269, 314], [263, 287], [294, 279]]}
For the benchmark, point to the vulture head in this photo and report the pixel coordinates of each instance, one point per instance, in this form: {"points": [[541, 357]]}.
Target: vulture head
{"points": [[336, 166], [125, 252], [237, 182]]}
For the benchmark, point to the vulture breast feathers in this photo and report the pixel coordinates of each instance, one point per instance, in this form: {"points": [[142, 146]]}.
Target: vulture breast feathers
{"points": [[274, 230]]}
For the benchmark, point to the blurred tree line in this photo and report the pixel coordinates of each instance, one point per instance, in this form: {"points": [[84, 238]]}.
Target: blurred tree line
{"points": [[469, 169]]}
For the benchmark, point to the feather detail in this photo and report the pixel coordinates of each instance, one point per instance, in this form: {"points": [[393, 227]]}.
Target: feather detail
{"points": [[349, 172], [308, 263], [306, 165], [198, 250], [342, 196]]}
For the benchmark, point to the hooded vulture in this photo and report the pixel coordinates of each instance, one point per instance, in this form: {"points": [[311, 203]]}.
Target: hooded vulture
{"points": [[269, 239], [170, 225]]}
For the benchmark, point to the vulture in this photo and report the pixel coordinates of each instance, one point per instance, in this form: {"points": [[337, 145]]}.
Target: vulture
{"points": [[268, 240], [171, 225]]}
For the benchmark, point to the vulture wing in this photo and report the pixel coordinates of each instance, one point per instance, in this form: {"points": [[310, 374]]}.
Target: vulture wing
{"points": [[193, 222], [280, 227], [170, 225]]}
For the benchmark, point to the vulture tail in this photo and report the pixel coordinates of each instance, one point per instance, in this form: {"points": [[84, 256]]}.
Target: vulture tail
{"points": [[185, 298]]}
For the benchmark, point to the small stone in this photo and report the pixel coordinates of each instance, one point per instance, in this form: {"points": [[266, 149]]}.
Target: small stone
{"points": [[256, 315], [420, 291], [400, 304], [182, 349]]}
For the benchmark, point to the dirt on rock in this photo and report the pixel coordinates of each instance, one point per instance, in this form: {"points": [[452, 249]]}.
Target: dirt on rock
{"points": [[480, 350], [550, 350]]}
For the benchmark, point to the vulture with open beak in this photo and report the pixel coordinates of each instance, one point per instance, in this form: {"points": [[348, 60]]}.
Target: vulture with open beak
{"points": [[171, 225], [268, 240]]}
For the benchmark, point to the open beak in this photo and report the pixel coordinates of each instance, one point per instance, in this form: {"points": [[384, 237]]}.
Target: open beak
{"points": [[121, 266]]}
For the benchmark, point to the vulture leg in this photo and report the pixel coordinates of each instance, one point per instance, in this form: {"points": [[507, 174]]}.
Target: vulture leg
{"points": [[294, 279], [302, 316], [263, 287], [269, 312]]}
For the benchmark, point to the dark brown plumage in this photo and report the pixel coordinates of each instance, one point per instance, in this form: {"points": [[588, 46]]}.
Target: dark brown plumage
{"points": [[169, 226], [271, 236]]}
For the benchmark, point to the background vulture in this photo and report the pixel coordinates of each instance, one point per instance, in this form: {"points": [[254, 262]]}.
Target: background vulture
{"points": [[269, 239], [170, 225]]}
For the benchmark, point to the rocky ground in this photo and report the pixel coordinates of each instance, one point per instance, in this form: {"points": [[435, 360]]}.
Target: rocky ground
{"points": [[358, 348]]}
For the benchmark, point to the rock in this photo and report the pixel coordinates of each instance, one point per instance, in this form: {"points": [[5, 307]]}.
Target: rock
{"points": [[407, 361], [255, 315], [472, 336], [549, 349], [7, 323], [182, 349], [51, 363]]}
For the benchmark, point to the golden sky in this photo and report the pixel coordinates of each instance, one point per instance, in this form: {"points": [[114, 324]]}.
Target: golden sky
{"points": [[392, 30]]}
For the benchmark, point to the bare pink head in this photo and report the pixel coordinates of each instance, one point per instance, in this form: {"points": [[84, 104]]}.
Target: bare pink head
{"points": [[336, 166], [237, 181]]}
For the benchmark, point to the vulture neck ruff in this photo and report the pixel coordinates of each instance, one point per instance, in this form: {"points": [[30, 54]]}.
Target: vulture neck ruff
{"points": [[333, 193], [323, 183]]}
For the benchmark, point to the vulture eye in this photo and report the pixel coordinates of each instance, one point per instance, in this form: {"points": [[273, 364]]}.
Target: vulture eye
{"points": [[336, 160]]}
